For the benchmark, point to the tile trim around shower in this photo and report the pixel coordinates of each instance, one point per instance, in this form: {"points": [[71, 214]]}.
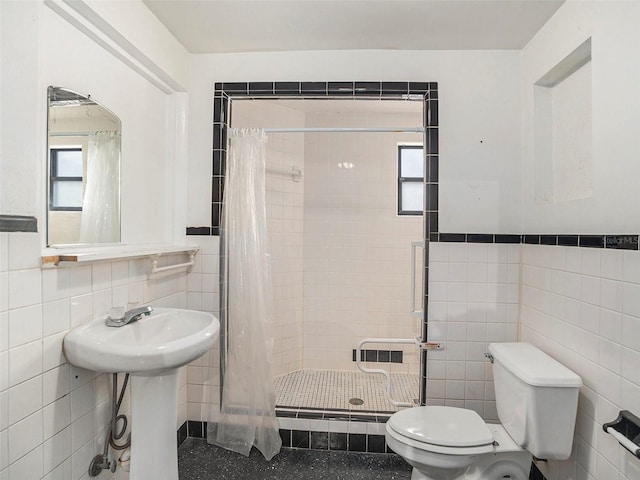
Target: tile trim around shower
{"points": [[345, 438], [225, 92], [426, 92]]}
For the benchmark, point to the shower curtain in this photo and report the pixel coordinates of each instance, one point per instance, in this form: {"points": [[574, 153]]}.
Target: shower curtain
{"points": [[100, 222], [247, 412]]}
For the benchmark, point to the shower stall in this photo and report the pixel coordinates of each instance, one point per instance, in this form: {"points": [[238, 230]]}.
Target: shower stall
{"points": [[341, 254]]}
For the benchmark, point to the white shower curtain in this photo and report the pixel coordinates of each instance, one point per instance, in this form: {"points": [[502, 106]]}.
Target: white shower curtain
{"points": [[247, 413], [100, 221]]}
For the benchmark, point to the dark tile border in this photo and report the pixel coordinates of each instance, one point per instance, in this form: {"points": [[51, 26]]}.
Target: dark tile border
{"points": [[338, 441], [196, 429], [182, 433], [384, 356], [319, 441], [225, 92], [311, 440], [617, 242], [357, 442], [199, 231], [18, 223], [333, 441], [531, 239], [300, 439]]}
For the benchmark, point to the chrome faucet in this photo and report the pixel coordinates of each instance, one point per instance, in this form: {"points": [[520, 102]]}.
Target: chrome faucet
{"points": [[129, 316]]}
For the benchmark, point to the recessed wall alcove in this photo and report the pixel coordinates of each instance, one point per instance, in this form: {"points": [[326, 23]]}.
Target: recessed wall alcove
{"points": [[563, 131]]}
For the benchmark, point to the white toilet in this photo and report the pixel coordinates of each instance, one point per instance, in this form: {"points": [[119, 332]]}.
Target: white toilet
{"points": [[537, 400]]}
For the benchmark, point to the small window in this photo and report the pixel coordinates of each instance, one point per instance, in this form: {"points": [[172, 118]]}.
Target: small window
{"points": [[65, 187], [410, 179]]}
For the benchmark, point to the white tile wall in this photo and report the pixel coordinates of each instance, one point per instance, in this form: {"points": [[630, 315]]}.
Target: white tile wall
{"points": [[582, 307], [201, 391], [473, 301], [357, 255], [53, 416]]}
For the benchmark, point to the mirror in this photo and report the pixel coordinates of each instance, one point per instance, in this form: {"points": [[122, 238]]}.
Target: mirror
{"points": [[83, 170]]}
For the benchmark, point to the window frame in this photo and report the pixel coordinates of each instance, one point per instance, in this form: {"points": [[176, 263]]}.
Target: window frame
{"points": [[53, 178], [401, 180]]}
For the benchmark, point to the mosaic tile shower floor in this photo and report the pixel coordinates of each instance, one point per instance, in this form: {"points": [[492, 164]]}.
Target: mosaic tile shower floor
{"points": [[332, 390]]}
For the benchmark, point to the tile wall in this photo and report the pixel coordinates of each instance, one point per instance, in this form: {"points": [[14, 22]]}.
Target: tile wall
{"points": [[52, 415], [357, 255], [203, 293], [582, 306], [473, 301]]}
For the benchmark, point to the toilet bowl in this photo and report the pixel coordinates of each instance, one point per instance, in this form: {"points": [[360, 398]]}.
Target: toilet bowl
{"points": [[536, 398], [468, 449]]}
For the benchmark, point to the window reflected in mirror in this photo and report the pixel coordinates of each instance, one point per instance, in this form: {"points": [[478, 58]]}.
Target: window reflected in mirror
{"points": [[83, 171]]}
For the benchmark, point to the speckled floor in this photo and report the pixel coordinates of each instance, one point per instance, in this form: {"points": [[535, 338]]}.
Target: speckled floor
{"points": [[199, 461]]}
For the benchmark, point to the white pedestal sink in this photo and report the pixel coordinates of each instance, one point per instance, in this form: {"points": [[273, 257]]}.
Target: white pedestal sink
{"points": [[151, 350]]}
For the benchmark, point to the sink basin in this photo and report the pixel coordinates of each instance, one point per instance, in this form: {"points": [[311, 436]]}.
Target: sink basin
{"points": [[151, 350], [167, 338]]}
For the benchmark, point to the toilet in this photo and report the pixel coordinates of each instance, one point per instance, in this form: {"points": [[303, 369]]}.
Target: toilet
{"points": [[537, 401]]}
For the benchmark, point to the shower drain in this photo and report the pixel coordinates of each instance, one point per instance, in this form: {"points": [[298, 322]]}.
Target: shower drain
{"points": [[356, 401]]}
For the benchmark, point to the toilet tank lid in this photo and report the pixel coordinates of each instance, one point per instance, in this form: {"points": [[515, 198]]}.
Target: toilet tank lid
{"points": [[533, 366]]}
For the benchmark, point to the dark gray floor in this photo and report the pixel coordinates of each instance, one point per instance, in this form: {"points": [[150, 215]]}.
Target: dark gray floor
{"points": [[198, 460]]}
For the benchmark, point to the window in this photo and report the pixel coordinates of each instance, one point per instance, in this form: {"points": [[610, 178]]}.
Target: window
{"points": [[65, 179], [410, 179]]}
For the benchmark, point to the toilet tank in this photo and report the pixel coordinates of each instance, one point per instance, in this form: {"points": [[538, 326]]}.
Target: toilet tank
{"points": [[536, 399]]}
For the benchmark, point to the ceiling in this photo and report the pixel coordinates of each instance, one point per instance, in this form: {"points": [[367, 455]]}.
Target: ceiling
{"points": [[217, 26]]}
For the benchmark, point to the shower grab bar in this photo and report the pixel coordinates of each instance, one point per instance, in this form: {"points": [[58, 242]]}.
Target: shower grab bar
{"points": [[156, 269], [295, 172], [406, 341], [414, 249]]}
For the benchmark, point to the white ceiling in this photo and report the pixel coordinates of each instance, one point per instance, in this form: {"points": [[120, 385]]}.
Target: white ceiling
{"points": [[215, 26]]}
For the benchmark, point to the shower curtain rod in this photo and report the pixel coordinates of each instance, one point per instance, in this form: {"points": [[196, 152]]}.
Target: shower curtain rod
{"points": [[345, 129]]}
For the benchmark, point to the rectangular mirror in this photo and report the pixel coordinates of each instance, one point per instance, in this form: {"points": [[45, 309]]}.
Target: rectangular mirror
{"points": [[83, 170]]}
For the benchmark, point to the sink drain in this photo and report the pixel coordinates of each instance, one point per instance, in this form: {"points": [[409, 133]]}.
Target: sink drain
{"points": [[356, 401]]}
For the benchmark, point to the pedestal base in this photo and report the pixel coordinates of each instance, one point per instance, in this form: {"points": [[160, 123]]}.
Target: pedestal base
{"points": [[154, 401]]}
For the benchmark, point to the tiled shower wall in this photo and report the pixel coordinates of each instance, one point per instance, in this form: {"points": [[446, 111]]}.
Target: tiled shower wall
{"points": [[53, 416], [357, 250], [284, 198], [582, 306], [473, 301]]}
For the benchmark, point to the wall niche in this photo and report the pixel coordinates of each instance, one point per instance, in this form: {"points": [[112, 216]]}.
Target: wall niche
{"points": [[563, 130]]}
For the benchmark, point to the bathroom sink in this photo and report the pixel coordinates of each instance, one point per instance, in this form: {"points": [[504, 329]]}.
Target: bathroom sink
{"points": [[151, 349], [167, 338]]}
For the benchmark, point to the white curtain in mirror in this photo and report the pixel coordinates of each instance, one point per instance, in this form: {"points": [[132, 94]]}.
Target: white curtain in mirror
{"points": [[100, 207], [247, 412]]}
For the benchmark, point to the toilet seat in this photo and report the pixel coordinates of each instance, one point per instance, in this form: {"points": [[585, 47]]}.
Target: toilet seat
{"points": [[438, 429]]}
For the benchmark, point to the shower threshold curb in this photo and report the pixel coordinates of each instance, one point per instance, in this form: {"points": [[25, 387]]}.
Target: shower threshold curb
{"points": [[333, 414]]}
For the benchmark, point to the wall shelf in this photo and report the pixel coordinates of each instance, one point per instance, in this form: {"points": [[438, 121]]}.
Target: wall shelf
{"points": [[69, 256]]}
